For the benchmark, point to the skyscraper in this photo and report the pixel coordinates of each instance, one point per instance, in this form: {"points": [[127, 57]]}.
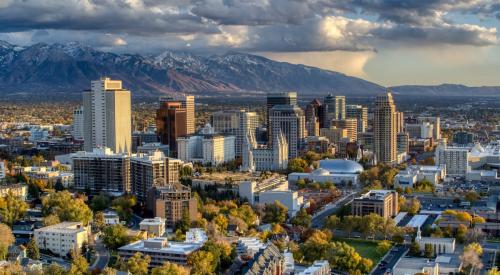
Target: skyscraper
{"points": [[236, 123], [314, 117], [334, 108], [78, 123], [350, 124], [360, 113], [290, 121], [171, 123], [384, 129], [107, 116], [187, 102], [280, 98]]}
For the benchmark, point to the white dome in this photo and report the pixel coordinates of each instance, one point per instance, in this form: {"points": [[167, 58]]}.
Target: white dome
{"points": [[321, 172]]}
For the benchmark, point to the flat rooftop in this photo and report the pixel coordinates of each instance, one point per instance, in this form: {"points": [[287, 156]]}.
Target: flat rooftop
{"points": [[180, 248], [64, 227]]}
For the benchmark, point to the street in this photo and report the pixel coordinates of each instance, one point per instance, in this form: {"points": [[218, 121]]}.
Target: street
{"points": [[102, 256], [319, 219]]}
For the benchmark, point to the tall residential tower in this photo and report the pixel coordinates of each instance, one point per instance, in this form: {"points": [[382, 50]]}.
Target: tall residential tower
{"points": [[385, 129]]}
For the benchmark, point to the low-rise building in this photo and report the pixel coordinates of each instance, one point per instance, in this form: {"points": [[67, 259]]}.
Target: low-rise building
{"points": [[62, 238], [249, 246], [250, 190], [291, 199], [416, 173], [18, 190], [439, 245], [318, 268], [337, 171], [111, 218], [161, 250], [155, 226], [381, 202], [268, 260], [172, 201]]}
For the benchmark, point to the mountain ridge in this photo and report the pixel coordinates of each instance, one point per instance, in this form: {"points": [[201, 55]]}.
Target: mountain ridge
{"points": [[67, 69]]}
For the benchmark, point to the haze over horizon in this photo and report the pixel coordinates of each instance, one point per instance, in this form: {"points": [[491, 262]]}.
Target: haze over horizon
{"points": [[415, 42]]}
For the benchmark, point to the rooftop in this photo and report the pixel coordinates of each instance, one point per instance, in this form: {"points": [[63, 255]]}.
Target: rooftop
{"points": [[341, 166], [64, 227]]}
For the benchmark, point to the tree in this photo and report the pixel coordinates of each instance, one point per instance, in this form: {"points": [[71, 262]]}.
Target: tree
{"points": [[387, 227], [350, 223], [275, 213], [100, 202], [54, 269], [123, 206], [12, 208], [428, 250], [415, 249], [476, 247], [108, 271], [411, 206], [472, 196], [51, 220], [169, 268], [296, 165], [221, 222], [302, 218], [79, 266], [343, 257], [478, 220], [493, 271], [202, 263], [115, 236], [332, 222], [383, 247], [66, 207], [138, 264], [99, 220], [461, 233], [32, 250], [246, 213], [222, 253], [184, 223], [6, 240], [370, 224], [471, 260]]}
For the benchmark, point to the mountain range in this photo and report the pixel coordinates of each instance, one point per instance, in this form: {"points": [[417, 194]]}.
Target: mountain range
{"points": [[64, 70]]}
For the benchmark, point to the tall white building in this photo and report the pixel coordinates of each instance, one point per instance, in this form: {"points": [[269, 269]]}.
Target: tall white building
{"points": [[436, 125], [456, 159], [290, 121], [209, 149], [273, 158], [107, 116], [236, 123], [420, 130], [78, 124]]}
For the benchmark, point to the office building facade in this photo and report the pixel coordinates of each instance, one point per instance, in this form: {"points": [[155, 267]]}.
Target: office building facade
{"points": [[236, 123], [359, 113], [290, 121], [381, 202], [385, 129]]}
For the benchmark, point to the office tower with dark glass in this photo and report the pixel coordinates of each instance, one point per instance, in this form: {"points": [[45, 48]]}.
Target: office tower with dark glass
{"points": [[107, 116], [171, 123], [187, 102], [280, 98]]}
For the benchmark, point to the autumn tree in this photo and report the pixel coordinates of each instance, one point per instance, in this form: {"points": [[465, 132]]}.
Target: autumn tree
{"points": [[383, 247], [275, 213], [115, 236], [302, 218], [202, 263], [66, 207], [79, 266], [138, 264], [6, 240], [32, 250], [12, 208], [169, 268]]}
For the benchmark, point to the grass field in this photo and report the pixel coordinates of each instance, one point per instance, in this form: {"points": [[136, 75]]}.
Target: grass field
{"points": [[367, 249]]}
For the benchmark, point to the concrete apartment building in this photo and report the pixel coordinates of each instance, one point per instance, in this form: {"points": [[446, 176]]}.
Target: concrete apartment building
{"points": [[62, 238], [148, 170], [170, 202], [154, 227], [101, 171], [381, 202], [107, 116]]}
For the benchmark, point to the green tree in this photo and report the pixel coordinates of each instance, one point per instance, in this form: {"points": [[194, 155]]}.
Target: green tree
{"points": [[54, 269], [115, 236], [100, 202], [343, 257], [383, 247], [332, 222], [472, 196], [79, 266], [275, 213], [202, 263], [184, 223], [350, 223], [296, 165], [428, 250], [246, 213], [66, 207], [32, 250], [222, 253], [302, 218], [138, 264], [99, 221], [12, 208], [51, 220], [414, 249], [123, 206], [169, 268], [370, 224]]}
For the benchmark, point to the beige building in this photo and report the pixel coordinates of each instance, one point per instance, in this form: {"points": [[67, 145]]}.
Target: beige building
{"points": [[237, 123], [172, 201], [17, 190], [381, 202], [155, 227], [359, 113], [334, 134], [350, 124], [107, 116], [62, 238], [385, 129]]}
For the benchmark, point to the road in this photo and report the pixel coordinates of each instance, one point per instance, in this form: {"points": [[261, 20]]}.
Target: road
{"points": [[319, 219], [102, 256], [390, 260]]}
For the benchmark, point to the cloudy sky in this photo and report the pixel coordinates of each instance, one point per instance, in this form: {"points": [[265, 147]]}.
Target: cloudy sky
{"points": [[389, 42]]}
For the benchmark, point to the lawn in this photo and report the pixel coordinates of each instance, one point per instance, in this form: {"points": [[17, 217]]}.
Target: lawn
{"points": [[367, 249]]}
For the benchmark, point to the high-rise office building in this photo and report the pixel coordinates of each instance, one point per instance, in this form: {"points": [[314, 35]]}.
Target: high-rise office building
{"points": [[290, 121], [360, 113], [171, 123], [187, 102], [78, 123], [385, 129], [350, 124], [107, 116], [101, 171], [236, 123], [280, 98], [400, 122], [334, 108], [314, 117]]}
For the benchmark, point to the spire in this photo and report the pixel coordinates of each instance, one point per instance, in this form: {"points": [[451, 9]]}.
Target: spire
{"points": [[419, 235]]}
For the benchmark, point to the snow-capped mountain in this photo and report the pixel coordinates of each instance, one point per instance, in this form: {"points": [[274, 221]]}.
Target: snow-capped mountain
{"points": [[66, 68]]}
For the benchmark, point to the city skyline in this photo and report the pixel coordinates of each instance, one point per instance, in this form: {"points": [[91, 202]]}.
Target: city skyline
{"points": [[416, 42]]}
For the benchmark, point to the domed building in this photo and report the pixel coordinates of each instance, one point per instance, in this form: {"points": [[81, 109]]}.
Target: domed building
{"points": [[337, 171]]}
